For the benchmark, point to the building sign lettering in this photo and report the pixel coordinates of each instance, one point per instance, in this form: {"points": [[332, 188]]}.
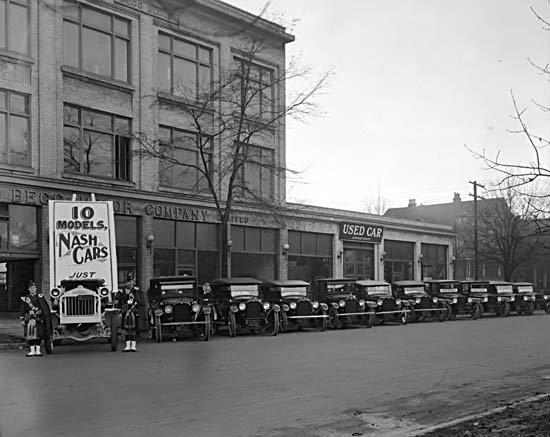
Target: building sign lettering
{"points": [[176, 212], [361, 232], [142, 6]]}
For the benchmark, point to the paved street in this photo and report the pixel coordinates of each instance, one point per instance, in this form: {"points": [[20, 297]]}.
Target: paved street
{"points": [[298, 384]]}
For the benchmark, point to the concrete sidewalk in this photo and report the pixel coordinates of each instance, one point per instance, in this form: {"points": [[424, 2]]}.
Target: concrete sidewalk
{"points": [[10, 324]]}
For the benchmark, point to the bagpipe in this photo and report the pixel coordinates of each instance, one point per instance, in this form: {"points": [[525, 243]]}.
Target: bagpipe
{"points": [[129, 314], [31, 318]]}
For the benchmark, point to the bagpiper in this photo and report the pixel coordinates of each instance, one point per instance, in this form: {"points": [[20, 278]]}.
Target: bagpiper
{"points": [[127, 300], [35, 318]]}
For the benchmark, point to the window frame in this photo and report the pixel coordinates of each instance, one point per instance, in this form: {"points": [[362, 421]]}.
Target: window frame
{"points": [[172, 143], [248, 77], [262, 168], [115, 138], [195, 60], [25, 4], [8, 114], [112, 33]]}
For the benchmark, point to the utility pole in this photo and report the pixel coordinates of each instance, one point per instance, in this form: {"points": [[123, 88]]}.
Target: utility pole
{"points": [[476, 249]]}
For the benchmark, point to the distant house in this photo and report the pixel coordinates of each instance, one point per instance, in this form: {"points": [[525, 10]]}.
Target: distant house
{"points": [[459, 215]]}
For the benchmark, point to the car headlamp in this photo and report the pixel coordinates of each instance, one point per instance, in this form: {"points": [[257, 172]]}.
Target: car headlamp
{"points": [[379, 302], [285, 307], [486, 299], [499, 299], [55, 292], [315, 304], [418, 300], [342, 303], [398, 301], [334, 305], [293, 305], [196, 307], [512, 299], [242, 306], [546, 297], [168, 309], [455, 300], [361, 302], [434, 299], [266, 306], [470, 300], [104, 292]]}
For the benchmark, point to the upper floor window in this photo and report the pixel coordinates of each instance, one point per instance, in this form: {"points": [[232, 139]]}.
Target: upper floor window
{"points": [[95, 41], [14, 25], [256, 175], [184, 68], [14, 128], [256, 84], [182, 162], [96, 143]]}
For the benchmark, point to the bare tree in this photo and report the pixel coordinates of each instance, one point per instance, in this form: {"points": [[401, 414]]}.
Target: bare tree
{"points": [[375, 205], [220, 155]]}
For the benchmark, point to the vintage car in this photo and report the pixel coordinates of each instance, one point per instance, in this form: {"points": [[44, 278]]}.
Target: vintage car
{"points": [[345, 308], [238, 305], [524, 293], [379, 298], [449, 291], [297, 310], [422, 305], [178, 308], [495, 296], [542, 301]]}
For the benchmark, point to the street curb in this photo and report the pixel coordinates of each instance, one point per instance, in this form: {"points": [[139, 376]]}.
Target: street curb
{"points": [[15, 345], [496, 410]]}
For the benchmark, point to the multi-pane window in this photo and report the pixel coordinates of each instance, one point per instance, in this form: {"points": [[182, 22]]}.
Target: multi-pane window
{"points": [[182, 165], [434, 261], [96, 143], [309, 255], [95, 41], [256, 176], [184, 68], [14, 128], [256, 84], [14, 25], [398, 261], [253, 252]]}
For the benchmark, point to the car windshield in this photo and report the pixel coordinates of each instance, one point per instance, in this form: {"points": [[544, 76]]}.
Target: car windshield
{"points": [[339, 288], [293, 291], [504, 288], [414, 290], [243, 290], [479, 289], [448, 288], [525, 289], [180, 289], [378, 290]]}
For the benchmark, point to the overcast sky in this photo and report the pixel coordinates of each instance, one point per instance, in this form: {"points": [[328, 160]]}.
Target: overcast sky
{"points": [[415, 81]]}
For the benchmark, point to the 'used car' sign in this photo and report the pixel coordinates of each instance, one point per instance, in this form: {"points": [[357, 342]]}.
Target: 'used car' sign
{"points": [[360, 232]]}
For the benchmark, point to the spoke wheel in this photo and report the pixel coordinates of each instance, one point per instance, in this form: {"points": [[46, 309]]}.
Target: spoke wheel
{"points": [[506, 310], [232, 322], [530, 308], [273, 323], [48, 344], [449, 313]]}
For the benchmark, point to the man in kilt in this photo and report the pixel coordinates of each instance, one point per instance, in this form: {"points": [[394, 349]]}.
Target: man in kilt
{"points": [[35, 318], [127, 300]]}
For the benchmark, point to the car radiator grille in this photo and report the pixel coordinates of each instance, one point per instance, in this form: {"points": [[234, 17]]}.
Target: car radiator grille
{"points": [[389, 305], [79, 305], [352, 306], [254, 310], [425, 303], [303, 308], [182, 313]]}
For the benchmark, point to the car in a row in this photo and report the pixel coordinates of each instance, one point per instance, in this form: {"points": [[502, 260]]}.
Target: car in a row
{"points": [[180, 306]]}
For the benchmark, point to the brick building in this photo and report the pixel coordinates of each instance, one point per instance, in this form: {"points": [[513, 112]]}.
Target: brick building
{"points": [[78, 80]]}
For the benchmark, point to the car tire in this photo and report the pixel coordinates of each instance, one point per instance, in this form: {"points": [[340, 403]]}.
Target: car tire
{"points": [[323, 324], [48, 344], [507, 309], [273, 323], [207, 329], [158, 330], [232, 323], [412, 315], [476, 311], [449, 312], [114, 334], [333, 316], [547, 308], [442, 314], [530, 308], [284, 322]]}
